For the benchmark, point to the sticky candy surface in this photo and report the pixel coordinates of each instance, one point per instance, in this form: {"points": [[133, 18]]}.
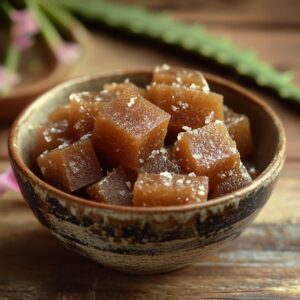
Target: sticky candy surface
{"points": [[173, 142], [71, 167], [165, 189]]}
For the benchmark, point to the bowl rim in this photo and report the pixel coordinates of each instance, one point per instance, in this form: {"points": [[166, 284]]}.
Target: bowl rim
{"points": [[269, 174]]}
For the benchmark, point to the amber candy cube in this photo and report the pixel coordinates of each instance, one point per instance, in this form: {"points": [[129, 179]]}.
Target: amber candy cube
{"points": [[188, 107], [231, 181], [115, 188], [165, 189], [52, 133], [123, 86], [71, 167], [207, 151], [126, 86], [84, 108], [160, 161], [59, 114], [129, 128], [49, 136], [179, 76], [239, 129]]}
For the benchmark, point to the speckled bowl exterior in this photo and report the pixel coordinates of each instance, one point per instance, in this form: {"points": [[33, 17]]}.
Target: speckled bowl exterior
{"points": [[147, 240]]}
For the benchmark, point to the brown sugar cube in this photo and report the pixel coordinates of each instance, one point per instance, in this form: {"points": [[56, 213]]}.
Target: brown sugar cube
{"points": [[115, 188], [187, 107], [59, 114], [180, 76], [126, 85], [232, 181], [144, 93], [160, 161], [207, 151], [49, 136], [120, 87], [129, 128], [165, 189], [83, 110], [239, 129], [71, 167]]}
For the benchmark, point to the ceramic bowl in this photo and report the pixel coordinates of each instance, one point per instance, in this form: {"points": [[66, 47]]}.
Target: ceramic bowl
{"points": [[147, 240]]}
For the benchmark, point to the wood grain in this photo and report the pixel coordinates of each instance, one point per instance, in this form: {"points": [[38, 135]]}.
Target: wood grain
{"points": [[264, 263]]}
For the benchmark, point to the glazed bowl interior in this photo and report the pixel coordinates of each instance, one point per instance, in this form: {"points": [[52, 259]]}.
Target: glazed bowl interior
{"points": [[267, 130]]}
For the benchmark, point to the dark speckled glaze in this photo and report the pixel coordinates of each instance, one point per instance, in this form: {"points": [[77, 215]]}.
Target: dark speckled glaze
{"points": [[147, 240]]}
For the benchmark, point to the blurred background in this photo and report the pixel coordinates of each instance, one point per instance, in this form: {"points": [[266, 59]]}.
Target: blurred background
{"points": [[264, 263]]}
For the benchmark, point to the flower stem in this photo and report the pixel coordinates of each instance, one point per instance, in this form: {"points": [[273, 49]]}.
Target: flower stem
{"points": [[13, 54], [7, 7], [59, 13], [50, 33], [12, 58]]}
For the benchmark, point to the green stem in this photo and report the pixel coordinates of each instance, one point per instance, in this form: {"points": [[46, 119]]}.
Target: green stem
{"points": [[7, 7], [13, 54], [11, 63], [12, 58], [59, 13], [48, 30]]}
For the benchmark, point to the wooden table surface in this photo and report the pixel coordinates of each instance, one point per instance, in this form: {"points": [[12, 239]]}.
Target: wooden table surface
{"points": [[264, 263]]}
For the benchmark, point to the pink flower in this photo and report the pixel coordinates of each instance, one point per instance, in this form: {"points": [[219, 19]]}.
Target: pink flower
{"points": [[23, 29], [67, 52], [8, 180], [7, 78]]}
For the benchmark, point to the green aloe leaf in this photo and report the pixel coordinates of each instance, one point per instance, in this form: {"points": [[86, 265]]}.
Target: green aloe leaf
{"points": [[188, 37]]}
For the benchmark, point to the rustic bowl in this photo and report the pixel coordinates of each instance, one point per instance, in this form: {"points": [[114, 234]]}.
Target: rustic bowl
{"points": [[147, 240]]}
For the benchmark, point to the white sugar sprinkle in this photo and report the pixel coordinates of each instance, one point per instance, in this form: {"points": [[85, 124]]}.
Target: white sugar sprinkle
{"points": [[86, 136], [205, 88], [179, 136], [174, 108], [153, 153], [197, 156], [192, 174], [179, 181], [186, 128], [166, 175], [163, 151], [132, 101], [75, 97], [163, 67], [209, 118], [219, 122], [185, 105], [194, 86]]}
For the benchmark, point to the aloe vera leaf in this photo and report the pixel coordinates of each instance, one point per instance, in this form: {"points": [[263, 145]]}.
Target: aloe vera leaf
{"points": [[189, 37]]}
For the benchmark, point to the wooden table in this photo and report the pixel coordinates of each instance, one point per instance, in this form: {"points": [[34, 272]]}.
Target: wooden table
{"points": [[264, 263]]}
